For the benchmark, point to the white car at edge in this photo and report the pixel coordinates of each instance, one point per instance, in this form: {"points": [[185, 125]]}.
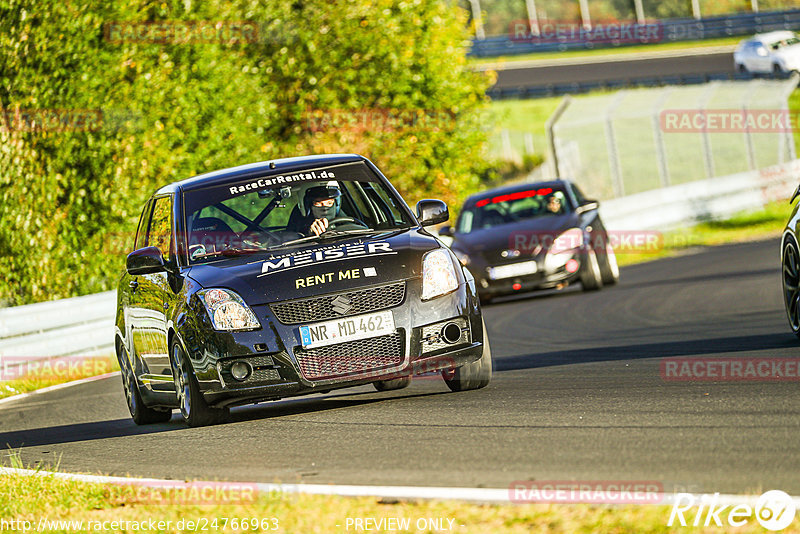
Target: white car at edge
{"points": [[777, 51]]}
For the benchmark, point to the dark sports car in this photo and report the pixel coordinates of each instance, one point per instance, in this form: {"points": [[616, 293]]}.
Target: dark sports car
{"points": [[790, 261], [533, 236], [286, 278]]}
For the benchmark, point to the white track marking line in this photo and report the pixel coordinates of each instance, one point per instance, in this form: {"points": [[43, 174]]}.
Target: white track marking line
{"points": [[480, 495]]}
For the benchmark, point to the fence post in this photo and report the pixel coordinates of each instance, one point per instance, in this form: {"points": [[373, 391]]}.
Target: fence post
{"points": [[750, 149], [787, 138], [611, 143], [708, 155], [658, 134], [549, 126]]}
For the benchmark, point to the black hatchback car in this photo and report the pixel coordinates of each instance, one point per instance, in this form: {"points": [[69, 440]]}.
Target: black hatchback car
{"points": [[286, 278], [533, 236]]}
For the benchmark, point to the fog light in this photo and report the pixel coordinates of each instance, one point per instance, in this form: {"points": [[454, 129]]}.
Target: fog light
{"points": [[572, 265], [517, 286], [240, 370]]}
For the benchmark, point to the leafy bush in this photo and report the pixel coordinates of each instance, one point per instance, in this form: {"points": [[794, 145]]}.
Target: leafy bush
{"points": [[71, 194]]}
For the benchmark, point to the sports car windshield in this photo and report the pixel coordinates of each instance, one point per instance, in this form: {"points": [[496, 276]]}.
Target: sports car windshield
{"points": [[513, 207], [259, 214]]}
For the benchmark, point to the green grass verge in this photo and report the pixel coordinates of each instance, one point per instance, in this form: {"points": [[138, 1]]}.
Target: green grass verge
{"points": [[44, 374], [33, 499], [621, 51], [767, 223]]}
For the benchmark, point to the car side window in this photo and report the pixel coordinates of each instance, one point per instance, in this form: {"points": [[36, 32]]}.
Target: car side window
{"points": [[141, 229], [159, 233]]}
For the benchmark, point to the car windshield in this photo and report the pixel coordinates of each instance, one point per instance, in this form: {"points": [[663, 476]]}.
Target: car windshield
{"points": [[513, 207], [256, 214], [789, 41]]}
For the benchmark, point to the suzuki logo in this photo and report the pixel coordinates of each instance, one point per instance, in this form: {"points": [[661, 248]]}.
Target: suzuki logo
{"points": [[341, 305]]}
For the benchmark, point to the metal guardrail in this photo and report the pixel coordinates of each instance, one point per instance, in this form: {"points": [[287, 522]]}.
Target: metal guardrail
{"points": [[80, 326], [670, 30], [540, 91]]}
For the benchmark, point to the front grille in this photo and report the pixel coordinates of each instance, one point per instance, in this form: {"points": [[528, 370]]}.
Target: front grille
{"points": [[352, 357], [338, 304]]}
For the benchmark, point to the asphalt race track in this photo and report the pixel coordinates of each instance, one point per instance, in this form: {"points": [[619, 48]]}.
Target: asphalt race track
{"points": [[615, 70], [577, 395]]}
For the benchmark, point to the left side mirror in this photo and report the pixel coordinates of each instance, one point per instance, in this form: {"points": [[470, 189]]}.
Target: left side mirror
{"points": [[146, 260], [431, 211]]}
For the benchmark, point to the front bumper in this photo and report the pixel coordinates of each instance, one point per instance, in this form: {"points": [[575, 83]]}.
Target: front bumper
{"points": [[281, 368], [543, 279]]}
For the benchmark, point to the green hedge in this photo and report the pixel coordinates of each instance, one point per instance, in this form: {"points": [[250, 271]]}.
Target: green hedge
{"points": [[383, 78]]}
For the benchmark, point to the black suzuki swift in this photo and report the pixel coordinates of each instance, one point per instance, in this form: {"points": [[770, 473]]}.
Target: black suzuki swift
{"points": [[285, 278]]}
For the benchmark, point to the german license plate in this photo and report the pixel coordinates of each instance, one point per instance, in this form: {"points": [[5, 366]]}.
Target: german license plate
{"points": [[510, 271], [347, 329]]}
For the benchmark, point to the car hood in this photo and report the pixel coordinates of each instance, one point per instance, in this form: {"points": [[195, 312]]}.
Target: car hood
{"points": [[517, 235], [320, 267]]}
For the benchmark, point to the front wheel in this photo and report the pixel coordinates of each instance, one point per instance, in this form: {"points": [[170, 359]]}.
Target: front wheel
{"points": [[790, 258], [195, 410], [609, 270], [141, 414], [473, 375], [591, 278]]}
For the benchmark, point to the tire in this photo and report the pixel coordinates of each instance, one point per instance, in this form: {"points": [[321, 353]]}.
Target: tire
{"points": [[393, 384], [591, 278], [741, 68], [776, 69], [141, 414], [194, 409], [609, 270], [790, 277], [473, 375]]}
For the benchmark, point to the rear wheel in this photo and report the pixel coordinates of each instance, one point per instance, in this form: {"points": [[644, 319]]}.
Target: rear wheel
{"points": [[591, 278], [473, 375], [394, 383], [141, 414], [776, 68], [741, 68], [609, 270], [791, 284], [195, 410]]}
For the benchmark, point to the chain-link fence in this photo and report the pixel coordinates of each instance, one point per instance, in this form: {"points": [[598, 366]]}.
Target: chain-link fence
{"points": [[632, 141]]}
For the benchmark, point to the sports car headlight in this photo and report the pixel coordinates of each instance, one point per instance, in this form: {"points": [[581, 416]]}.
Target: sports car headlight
{"points": [[438, 275], [227, 310]]}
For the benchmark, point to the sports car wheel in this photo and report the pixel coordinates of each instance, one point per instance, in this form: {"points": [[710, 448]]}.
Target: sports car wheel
{"points": [[791, 284], [591, 278], [473, 375], [195, 410], [609, 270], [394, 383], [141, 414]]}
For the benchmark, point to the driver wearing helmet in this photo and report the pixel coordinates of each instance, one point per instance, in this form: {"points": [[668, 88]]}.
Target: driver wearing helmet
{"points": [[555, 203], [322, 204]]}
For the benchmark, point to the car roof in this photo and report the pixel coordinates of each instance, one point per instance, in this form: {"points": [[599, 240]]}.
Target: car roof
{"points": [[489, 193], [261, 168]]}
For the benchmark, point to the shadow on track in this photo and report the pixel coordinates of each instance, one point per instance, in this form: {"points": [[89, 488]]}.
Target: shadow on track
{"points": [[702, 347], [116, 428]]}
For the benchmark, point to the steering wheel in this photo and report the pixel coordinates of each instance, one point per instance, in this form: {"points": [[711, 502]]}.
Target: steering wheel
{"points": [[337, 220]]}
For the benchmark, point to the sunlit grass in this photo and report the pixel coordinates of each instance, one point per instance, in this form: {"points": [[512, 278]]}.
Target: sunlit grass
{"points": [[31, 498], [41, 374]]}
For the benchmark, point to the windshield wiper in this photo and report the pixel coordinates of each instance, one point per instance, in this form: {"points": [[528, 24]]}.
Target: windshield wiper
{"points": [[227, 252]]}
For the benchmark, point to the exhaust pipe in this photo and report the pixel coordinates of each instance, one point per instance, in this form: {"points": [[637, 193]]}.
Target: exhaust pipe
{"points": [[451, 333]]}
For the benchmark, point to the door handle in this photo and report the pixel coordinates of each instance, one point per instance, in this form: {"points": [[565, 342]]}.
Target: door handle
{"points": [[134, 285]]}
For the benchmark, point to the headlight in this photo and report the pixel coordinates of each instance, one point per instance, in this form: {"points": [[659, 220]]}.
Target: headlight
{"points": [[463, 258], [227, 310], [568, 241], [438, 275]]}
